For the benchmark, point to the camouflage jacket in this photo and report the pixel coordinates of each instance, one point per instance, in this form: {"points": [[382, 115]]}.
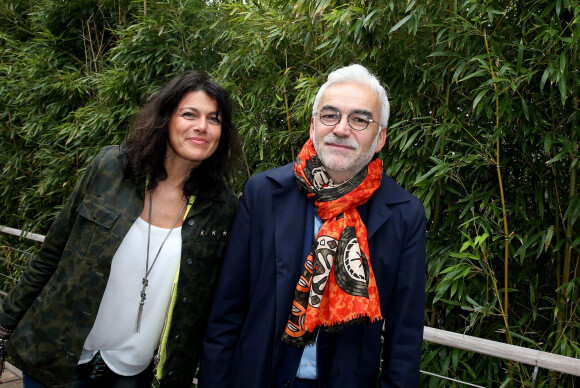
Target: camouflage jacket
{"points": [[53, 307]]}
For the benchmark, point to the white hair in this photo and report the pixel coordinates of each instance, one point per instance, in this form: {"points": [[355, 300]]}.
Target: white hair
{"points": [[360, 74]]}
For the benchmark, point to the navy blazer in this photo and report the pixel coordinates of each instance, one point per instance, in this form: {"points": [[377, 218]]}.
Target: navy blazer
{"points": [[242, 345]]}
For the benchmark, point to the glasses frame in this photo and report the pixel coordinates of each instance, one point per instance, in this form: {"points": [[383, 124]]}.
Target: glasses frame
{"points": [[340, 115]]}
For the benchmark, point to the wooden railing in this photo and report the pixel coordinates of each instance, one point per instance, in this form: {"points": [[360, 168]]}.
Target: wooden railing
{"points": [[21, 233], [536, 358]]}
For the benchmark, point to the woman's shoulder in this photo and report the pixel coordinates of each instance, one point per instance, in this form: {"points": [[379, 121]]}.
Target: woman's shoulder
{"points": [[112, 153], [110, 157], [229, 198]]}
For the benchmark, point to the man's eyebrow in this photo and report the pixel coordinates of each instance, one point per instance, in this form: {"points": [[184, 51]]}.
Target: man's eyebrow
{"points": [[363, 112], [330, 107]]}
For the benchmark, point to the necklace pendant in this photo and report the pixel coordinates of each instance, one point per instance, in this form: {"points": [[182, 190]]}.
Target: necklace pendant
{"points": [[141, 305], [139, 314]]}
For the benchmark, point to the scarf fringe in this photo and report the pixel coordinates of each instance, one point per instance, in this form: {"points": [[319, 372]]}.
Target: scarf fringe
{"points": [[353, 319], [330, 327]]}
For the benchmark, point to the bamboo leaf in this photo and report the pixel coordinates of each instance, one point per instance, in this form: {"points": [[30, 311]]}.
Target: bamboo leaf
{"points": [[520, 56], [544, 78], [478, 97], [548, 238], [399, 24], [563, 61], [562, 87], [443, 54]]}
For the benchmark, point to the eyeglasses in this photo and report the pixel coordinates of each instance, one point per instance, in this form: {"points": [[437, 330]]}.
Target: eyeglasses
{"points": [[193, 116], [357, 121]]}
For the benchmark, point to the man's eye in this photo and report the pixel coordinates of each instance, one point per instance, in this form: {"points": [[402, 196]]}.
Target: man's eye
{"points": [[330, 116], [359, 119]]}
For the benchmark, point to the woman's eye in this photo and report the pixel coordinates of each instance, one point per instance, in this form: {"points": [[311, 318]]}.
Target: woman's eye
{"points": [[188, 115], [214, 120]]}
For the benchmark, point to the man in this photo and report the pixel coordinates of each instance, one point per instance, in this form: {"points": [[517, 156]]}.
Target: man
{"points": [[324, 252]]}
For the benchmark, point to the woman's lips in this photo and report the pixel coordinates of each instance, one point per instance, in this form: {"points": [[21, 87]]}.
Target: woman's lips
{"points": [[197, 140]]}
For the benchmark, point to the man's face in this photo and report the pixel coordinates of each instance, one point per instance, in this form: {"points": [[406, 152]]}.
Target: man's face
{"points": [[342, 150]]}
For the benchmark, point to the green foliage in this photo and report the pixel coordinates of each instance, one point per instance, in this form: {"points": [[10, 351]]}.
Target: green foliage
{"points": [[484, 130]]}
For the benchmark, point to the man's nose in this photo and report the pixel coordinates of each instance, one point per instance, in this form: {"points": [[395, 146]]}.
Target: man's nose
{"points": [[342, 129]]}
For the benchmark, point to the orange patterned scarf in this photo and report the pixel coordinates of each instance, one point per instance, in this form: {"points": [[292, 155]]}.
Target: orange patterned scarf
{"points": [[337, 284]]}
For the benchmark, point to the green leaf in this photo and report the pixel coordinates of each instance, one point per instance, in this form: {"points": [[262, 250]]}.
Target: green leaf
{"points": [[549, 235], [520, 56], [544, 78], [563, 61], [474, 74], [562, 87], [478, 97], [443, 54], [399, 24], [525, 108]]}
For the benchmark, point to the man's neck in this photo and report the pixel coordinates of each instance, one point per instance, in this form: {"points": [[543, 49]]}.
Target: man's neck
{"points": [[339, 177]]}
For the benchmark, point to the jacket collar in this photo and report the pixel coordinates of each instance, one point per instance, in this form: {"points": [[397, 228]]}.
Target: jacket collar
{"points": [[389, 193], [200, 204]]}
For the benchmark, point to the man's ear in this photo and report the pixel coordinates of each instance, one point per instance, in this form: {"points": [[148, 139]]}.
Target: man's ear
{"points": [[312, 129], [382, 139]]}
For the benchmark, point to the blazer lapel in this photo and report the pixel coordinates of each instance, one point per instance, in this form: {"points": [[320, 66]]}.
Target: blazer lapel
{"points": [[378, 212], [289, 219], [388, 193]]}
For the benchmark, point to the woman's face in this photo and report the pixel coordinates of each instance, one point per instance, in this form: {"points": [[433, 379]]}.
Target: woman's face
{"points": [[195, 129]]}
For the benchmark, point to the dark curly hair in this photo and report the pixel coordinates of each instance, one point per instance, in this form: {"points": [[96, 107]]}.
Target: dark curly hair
{"points": [[148, 138]]}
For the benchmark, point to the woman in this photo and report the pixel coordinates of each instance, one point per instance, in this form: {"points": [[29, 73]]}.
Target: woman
{"points": [[128, 267]]}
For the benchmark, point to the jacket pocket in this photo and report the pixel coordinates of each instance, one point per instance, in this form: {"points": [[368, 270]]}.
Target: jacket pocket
{"points": [[202, 262], [210, 248], [92, 229]]}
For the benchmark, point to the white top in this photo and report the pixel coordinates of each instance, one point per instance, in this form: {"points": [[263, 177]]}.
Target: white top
{"points": [[124, 350]]}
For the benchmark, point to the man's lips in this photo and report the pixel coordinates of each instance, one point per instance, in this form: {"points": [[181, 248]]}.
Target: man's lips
{"points": [[340, 146]]}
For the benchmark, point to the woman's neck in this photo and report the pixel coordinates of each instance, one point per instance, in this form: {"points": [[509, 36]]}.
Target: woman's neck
{"points": [[177, 170]]}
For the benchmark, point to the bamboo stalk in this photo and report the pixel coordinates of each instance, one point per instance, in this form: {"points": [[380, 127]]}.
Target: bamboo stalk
{"points": [[505, 313], [289, 126], [569, 236], [288, 110], [505, 225]]}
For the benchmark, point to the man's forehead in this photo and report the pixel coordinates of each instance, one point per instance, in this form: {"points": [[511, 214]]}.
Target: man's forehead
{"points": [[350, 95]]}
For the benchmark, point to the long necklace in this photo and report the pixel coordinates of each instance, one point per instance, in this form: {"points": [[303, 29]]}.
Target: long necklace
{"points": [[148, 269]]}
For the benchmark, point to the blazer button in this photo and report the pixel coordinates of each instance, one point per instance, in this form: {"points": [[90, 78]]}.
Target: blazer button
{"points": [[191, 221], [286, 383], [189, 261], [185, 300]]}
